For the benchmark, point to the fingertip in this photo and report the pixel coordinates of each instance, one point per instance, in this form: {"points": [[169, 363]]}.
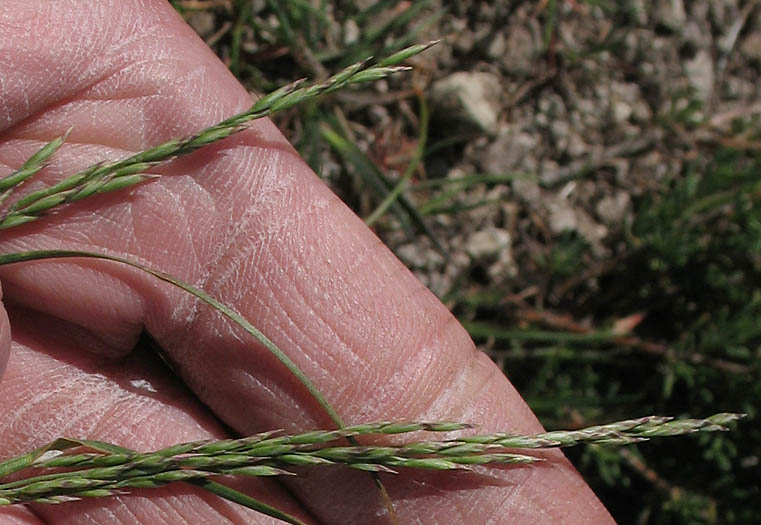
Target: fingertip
{"points": [[5, 335]]}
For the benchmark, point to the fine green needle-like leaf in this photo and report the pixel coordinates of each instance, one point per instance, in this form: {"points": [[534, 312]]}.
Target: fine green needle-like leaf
{"points": [[225, 310], [235, 496]]}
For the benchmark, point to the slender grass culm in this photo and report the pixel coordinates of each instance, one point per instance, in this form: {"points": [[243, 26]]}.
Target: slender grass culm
{"points": [[95, 469]]}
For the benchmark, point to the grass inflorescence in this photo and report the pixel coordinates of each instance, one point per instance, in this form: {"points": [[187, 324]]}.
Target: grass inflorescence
{"points": [[110, 176], [95, 469]]}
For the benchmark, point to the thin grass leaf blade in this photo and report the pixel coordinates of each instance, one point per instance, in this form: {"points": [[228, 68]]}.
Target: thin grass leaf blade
{"points": [[235, 496], [225, 310]]}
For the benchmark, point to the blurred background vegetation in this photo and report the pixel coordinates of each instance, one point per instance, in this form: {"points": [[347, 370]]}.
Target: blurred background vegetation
{"points": [[580, 182]]}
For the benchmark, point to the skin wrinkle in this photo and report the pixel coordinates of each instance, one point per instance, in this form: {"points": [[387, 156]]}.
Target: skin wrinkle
{"points": [[338, 303], [9, 424], [124, 508], [141, 415], [183, 230], [211, 269], [414, 372], [19, 515], [36, 397], [398, 327], [5, 338], [219, 279], [267, 388], [314, 311], [110, 128], [292, 335], [121, 40], [4, 104], [287, 333], [124, 33], [454, 400], [269, 183], [171, 513], [125, 309], [93, 95], [391, 327], [516, 494], [412, 368], [233, 272], [516, 479], [72, 234], [186, 227], [88, 238], [90, 385], [91, 397], [52, 95], [165, 94], [317, 310]]}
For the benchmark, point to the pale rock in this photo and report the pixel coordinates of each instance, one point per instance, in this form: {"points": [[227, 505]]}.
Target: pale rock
{"points": [[641, 111], [379, 116], [504, 267], [553, 106], [562, 217], [576, 145], [724, 12], [627, 103], [565, 218], [700, 74], [670, 14], [550, 172], [751, 47], [527, 190], [497, 47], [351, 32], [560, 129], [696, 36], [620, 111], [613, 209], [509, 152], [486, 214], [464, 43], [589, 112], [469, 98], [458, 172], [488, 243], [463, 38], [417, 257], [520, 51], [458, 262], [631, 47], [381, 86]]}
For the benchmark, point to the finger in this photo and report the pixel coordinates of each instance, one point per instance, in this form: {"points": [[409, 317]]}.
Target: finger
{"points": [[52, 390], [251, 224], [5, 336], [18, 515]]}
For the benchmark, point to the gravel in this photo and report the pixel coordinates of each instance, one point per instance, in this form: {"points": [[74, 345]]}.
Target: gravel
{"points": [[589, 111]]}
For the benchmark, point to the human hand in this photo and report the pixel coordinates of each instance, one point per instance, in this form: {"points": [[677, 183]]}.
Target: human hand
{"points": [[249, 223]]}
